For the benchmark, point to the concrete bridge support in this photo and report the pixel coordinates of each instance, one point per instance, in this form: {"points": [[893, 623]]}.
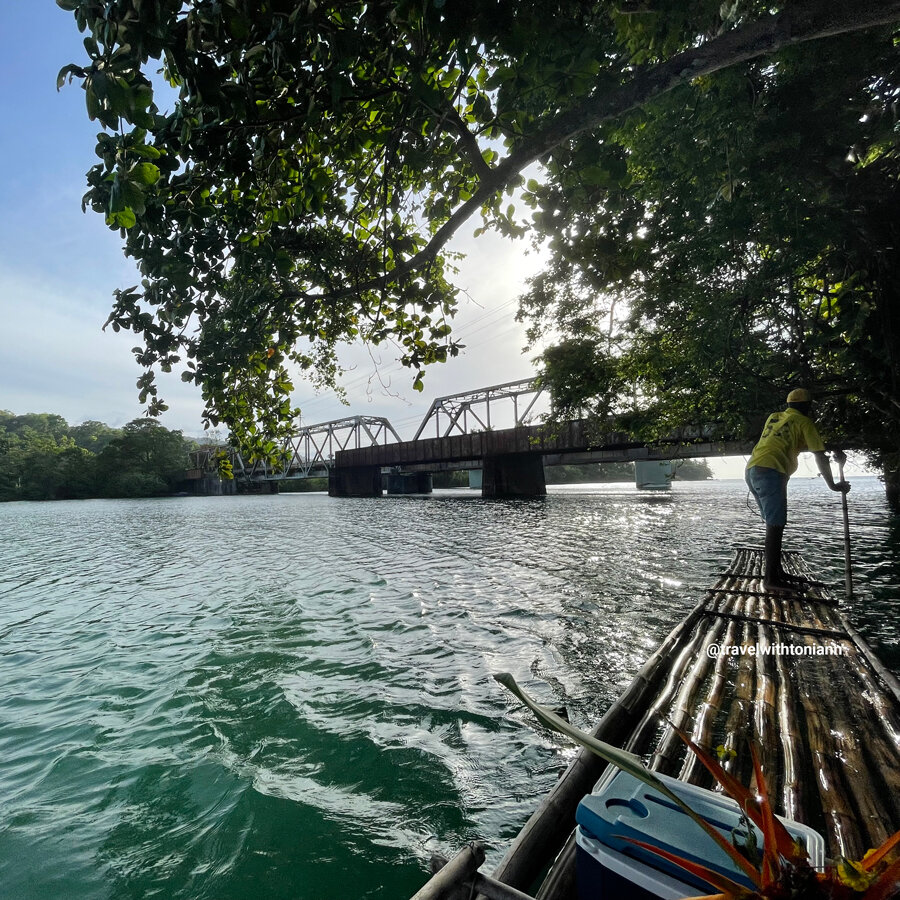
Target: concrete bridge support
{"points": [[209, 485], [354, 481], [257, 487], [513, 475], [409, 483]]}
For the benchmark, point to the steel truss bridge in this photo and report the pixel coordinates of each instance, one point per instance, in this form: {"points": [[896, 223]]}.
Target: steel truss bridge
{"points": [[308, 453], [493, 428], [457, 408]]}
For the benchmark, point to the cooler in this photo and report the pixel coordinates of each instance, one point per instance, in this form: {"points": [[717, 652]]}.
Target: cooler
{"points": [[624, 807]]}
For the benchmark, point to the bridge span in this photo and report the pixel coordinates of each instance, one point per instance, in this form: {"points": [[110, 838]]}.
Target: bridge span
{"points": [[357, 452], [511, 460]]}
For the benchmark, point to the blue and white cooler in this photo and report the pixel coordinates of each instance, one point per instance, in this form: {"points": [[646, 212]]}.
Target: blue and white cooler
{"points": [[608, 866]]}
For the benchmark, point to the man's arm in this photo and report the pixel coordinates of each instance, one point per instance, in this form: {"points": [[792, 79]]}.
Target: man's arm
{"points": [[825, 468]]}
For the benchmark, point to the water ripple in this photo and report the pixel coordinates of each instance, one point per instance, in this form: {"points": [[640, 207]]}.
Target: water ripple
{"points": [[204, 696]]}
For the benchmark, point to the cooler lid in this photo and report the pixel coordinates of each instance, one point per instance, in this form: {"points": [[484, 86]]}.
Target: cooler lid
{"points": [[627, 808]]}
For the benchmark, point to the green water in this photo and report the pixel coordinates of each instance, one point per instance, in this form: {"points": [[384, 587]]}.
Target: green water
{"points": [[292, 697]]}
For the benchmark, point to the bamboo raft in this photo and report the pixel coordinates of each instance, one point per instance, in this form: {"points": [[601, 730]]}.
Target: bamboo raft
{"points": [[827, 724]]}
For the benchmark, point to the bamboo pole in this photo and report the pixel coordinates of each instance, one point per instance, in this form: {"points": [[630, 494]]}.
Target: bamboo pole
{"points": [[874, 727], [560, 880], [692, 770], [684, 705], [842, 837], [741, 713], [857, 744], [793, 789], [495, 890], [643, 732], [884, 674], [848, 570], [880, 709], [447, 881], [765, 717]]}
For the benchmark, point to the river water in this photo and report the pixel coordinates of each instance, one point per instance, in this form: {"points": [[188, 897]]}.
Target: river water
{"points": [[291, 696]]}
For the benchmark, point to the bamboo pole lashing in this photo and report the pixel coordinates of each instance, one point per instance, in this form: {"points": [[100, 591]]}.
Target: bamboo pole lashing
{"points": [[779, 623]]}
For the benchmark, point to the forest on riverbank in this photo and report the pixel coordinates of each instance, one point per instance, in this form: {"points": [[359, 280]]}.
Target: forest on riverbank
{"points": [[42, 457]]}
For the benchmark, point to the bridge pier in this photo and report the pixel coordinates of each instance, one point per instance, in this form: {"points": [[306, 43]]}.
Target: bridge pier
{"points": [[354, 481], [513, 475], [653, 474], [257, 487], [409, 483]]}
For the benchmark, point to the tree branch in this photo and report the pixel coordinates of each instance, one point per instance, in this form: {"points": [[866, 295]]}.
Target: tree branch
{"points": [[799, 23]]}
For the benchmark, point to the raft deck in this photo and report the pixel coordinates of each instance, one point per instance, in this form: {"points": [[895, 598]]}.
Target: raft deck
{"points": [[822, 709]]}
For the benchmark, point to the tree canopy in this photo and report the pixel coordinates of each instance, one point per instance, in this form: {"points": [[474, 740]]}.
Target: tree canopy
{"points": [[42, 457], [747, 245], [297, 183]]}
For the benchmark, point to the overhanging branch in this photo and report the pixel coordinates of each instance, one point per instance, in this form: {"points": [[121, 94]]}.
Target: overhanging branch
{"points": [[799, 23]]}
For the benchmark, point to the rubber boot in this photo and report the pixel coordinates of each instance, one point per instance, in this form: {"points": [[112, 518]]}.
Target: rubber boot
{"points": [[773, 576]]}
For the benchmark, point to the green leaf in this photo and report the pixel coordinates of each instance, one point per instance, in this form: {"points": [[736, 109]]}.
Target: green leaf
{"points": [[68, 73], [146, 151], [146, 173], [123, 218]]}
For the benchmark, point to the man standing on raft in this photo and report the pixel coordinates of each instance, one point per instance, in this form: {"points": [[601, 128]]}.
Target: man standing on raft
{"points": [[774, 459]]}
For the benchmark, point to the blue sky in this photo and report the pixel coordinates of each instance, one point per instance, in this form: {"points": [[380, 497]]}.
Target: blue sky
{"points": [[58, 267]]}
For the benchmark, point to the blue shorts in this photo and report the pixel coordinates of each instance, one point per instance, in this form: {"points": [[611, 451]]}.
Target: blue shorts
{"points": [[769, 486]]}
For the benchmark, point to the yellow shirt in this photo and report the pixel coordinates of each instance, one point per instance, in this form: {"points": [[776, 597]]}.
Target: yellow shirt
{"points": [[785, 436]]}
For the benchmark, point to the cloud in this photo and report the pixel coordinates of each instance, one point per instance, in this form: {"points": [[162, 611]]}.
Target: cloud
{"points": [[54, 357], [491, 276]]}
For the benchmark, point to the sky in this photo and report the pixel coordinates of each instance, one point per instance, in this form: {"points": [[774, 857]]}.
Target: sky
{"points": [[59, 268]]}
